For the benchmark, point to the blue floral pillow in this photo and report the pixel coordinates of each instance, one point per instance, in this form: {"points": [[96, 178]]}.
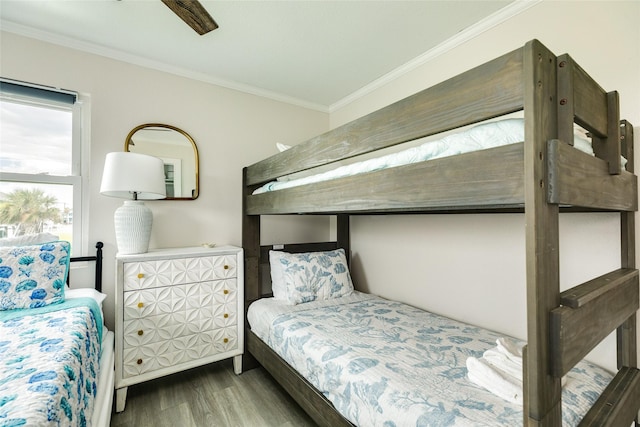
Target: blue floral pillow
{"points": [[315, 276], [33, 276]]}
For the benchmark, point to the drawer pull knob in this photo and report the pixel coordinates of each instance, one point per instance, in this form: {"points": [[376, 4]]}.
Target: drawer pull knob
{"points": [[140, 332], [139, 361], [226, 315], [226, 267], [226, 291], [226, 340], [140, 275], [140, 304]]}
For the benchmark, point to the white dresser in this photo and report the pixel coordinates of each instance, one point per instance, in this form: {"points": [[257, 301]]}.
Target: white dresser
{"points": [[177, 309]]}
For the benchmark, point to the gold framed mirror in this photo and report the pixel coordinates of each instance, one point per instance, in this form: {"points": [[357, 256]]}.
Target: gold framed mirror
{"points": [[177, 150]]}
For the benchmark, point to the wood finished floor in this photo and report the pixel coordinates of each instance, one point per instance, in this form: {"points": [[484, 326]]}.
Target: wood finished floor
{"points": [[210, 396]]}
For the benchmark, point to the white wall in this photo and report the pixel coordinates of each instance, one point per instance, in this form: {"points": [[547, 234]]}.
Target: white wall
{"points": [[231, 129], [472, 267]]}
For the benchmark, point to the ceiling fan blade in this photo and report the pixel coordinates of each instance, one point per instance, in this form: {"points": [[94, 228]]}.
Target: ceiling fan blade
{"points": [[193, 13]]}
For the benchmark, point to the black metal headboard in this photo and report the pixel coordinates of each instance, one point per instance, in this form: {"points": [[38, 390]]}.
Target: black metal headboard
{"points": [[98, 259]]}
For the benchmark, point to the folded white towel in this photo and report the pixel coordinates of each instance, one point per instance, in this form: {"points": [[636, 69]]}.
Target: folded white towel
{"points": [[499, 370], [495, 380], [498, 359], [511, 349]]}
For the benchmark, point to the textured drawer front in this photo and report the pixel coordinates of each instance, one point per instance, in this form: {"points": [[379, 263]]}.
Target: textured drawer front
{"points": [[164, 354], [171, 299], [160, 273], [140, 332]]}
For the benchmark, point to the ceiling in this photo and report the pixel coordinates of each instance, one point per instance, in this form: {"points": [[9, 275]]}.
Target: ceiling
{"points": [[318, 54]]}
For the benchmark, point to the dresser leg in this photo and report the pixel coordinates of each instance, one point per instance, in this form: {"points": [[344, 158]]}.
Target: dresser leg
{"points": [[121, 398], [237, 364]]}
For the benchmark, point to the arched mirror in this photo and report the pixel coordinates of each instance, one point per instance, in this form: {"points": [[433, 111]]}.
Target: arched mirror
{"points": [[177, 150]]}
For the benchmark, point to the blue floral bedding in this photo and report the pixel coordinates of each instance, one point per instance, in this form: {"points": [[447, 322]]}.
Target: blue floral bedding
{"points": [[383, 363], [49, 364]]}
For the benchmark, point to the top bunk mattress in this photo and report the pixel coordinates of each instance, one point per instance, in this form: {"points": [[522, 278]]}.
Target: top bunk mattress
{"points": [[479, 137], [384, 363]]}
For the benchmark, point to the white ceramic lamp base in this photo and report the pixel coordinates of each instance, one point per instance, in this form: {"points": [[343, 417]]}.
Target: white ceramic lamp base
{"points": [[133, 222]]}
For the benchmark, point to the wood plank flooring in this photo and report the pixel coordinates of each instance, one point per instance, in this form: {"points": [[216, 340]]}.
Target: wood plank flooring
{"points": [[210, 396]]}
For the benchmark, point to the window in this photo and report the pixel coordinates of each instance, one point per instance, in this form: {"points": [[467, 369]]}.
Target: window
{"points": [[40, 162]]}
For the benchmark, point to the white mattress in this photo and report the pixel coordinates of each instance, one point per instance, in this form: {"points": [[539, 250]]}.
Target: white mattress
{"points": [[479, 137], [104, 399], [263, 312]]}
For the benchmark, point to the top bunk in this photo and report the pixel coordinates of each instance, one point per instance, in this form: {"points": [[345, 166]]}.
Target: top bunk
{"points": [[553, 95]]}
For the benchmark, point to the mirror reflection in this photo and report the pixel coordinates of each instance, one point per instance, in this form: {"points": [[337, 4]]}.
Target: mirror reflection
{"points": [[177, 150]]}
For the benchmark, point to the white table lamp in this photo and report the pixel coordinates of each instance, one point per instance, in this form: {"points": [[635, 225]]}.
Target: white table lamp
{"points": [[137, 177]]}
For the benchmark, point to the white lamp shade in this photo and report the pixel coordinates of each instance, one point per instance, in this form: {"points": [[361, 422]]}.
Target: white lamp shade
{"points": [[126, 174], [133, 176]]}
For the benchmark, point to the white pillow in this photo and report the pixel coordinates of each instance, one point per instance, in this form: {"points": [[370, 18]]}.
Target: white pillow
{"points": [[99, 297], [313, 276], [278, 287], [282, 147], [28, 239]]}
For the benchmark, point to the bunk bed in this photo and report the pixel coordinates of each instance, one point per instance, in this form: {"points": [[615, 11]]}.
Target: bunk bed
{"points": [[57, 359], [540, 176]]}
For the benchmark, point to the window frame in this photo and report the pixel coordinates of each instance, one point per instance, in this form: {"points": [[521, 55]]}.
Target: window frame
{"points": [[80, 157]]}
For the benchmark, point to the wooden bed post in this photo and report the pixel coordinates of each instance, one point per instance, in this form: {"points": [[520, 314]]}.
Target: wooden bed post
{"points": [[343, 237], [542, 394], [251, 246], [566, 109], [609, 148], [626, 335]]}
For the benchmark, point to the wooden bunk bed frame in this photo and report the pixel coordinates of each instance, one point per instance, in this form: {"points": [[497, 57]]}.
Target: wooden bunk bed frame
{"points": [[540, 177]]}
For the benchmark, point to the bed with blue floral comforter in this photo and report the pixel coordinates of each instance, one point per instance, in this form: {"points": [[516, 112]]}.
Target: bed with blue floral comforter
{"points": [[384, 363], [49, 364]]}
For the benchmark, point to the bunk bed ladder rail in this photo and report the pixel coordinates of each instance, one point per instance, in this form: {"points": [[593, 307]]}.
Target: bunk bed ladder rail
{"points": [[589, 312], [563, 327]]}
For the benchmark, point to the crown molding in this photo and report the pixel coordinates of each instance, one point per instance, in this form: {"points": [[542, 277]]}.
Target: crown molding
{"points": [[504, 14], [118, 55]]}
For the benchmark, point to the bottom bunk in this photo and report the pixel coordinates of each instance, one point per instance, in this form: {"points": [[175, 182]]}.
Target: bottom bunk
{"points": [[384, 363], [350, 358], [56, 354]]}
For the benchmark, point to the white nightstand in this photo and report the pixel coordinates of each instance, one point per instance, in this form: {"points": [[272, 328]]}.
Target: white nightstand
{"points": [[177, 309]]}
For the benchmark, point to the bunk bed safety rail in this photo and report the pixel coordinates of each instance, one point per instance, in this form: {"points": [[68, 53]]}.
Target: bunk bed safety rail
{"points": [[489, 90], [582, 100]]}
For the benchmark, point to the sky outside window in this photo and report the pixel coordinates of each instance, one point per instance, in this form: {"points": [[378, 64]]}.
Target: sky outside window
{"points": [[36, 140]]}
